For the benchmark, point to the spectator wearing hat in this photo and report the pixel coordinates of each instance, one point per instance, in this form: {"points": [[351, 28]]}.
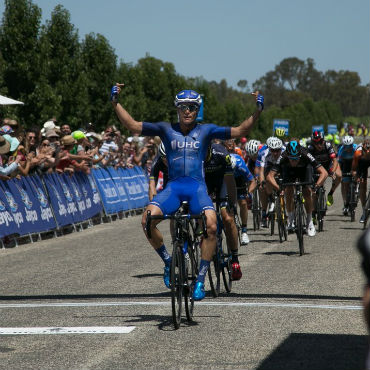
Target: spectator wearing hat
{"points": [[68, 161], [49, 125], [7, 167]]}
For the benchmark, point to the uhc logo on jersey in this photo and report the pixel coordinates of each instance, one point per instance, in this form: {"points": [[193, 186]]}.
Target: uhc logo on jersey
{"points": [[175, 145]]}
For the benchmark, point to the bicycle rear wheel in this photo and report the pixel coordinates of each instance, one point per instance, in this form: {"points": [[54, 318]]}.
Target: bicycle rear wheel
{"points": [[272, 223], [321, 210], [177, 279], [214, 275], [256, 210], [226, 267], [279, 221]]}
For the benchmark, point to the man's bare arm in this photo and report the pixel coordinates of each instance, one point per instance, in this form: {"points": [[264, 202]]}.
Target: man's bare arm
{"points": [[244, 128], [124, 117]]}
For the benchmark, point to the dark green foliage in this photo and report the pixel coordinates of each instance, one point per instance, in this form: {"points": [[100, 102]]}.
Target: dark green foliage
{"points": [[55, 74]]}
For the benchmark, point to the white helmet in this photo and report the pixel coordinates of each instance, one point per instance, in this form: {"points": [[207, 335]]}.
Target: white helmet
{"points": [[347, 140], [252, 147], [269, 140], [275, 143]]}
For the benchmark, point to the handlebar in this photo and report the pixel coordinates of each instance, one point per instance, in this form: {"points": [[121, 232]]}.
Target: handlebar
{"points": [[176, 216], [297, 183]]}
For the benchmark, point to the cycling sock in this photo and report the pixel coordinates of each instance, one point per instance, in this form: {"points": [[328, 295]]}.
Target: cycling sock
{"points": [[203, 268], [244, 228], [309, 218], [234, 256], [290, 217], [162, 251]]}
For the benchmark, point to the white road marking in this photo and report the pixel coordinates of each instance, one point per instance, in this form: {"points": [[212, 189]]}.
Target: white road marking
{"points": [[164, 303], [68, 330]]}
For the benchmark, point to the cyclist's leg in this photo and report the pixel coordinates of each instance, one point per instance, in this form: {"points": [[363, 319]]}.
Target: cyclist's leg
{"points": [[166, 202], [362, 174], [199, 201]]}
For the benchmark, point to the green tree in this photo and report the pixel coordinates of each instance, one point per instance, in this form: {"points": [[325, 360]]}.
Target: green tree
{"points": [[65, 72], [100, 65], [20, 51]]}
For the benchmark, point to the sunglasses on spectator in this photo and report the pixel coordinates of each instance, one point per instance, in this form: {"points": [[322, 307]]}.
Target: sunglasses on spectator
{"points": [[32, 137], [185, 107], [45, 144]]}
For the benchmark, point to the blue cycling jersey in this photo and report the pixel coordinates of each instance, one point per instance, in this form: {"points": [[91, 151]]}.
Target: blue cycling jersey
{"points": [[346, 152], [260, 155], [241, 168], [186, 153], [185, 156]]}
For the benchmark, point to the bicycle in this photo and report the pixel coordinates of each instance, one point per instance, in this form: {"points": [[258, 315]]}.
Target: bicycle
{"points": [[238, 225], [185, 259], [299, 212], [256, 209], [221, 261], [352, 195]]}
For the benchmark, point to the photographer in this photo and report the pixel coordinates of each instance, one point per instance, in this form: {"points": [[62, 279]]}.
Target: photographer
{"points": [[109, 144]]}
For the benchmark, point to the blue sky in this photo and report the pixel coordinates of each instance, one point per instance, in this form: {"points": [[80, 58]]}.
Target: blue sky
{"points": [[234, 39]]}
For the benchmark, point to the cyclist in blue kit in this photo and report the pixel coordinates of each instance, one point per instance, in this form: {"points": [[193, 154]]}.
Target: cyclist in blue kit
{"points": [[186, 143]]}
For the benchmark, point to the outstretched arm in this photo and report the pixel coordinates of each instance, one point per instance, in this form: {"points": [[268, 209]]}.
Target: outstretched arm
{"points": [[244, 128], [124, 117]]}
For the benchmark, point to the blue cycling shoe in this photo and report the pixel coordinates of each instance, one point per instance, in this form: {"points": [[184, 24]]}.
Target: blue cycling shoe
{"points": [[199, 293], [166, 276]]}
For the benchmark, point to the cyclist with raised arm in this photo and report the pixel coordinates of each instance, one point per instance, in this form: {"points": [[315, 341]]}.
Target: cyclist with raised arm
{"points": [[296, 163], [324, 153], [186, 143], [345, 157], [360, 165]]}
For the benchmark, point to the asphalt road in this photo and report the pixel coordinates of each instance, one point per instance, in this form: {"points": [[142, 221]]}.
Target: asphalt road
{"points": [[287, 312]]}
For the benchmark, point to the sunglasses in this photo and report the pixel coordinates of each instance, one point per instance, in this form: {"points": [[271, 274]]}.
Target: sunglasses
{"points": [[45, 144], [32, 137], [275, 150], [185, 107], [294, 158]]}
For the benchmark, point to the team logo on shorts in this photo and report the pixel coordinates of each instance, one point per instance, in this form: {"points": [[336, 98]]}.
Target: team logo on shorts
{"points": [[12, 203]]}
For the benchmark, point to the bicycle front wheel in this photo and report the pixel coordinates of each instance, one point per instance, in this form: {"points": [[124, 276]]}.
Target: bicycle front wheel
{"points": [[177, 280], [299, 227], [191, 268]]}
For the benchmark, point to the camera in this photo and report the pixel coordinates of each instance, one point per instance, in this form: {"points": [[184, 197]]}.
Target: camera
{"points": [[112, 134]]}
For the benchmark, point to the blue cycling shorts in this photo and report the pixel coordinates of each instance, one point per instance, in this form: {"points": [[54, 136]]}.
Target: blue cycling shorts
{"points": [[183, 188]]}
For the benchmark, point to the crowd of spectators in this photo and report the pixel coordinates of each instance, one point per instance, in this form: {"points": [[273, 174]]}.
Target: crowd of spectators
{"points": [[53, 148]]}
